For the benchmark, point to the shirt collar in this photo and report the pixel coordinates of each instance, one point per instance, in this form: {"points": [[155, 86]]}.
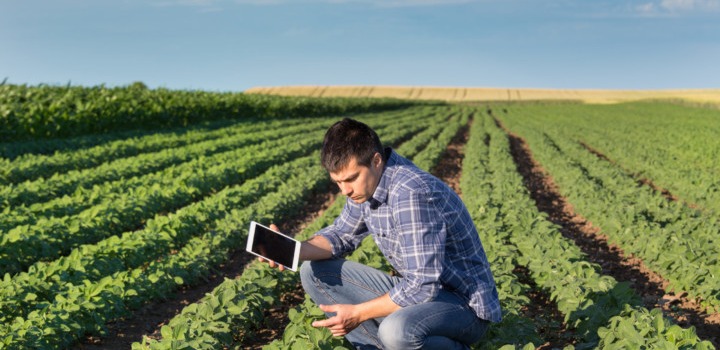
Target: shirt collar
{"points": [[381, 191]]}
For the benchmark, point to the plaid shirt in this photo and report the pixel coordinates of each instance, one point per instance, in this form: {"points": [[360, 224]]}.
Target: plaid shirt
{"points": [[426, 233]]}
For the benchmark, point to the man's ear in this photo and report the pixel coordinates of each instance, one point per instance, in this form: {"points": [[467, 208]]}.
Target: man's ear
{"points": [[377, 159]]}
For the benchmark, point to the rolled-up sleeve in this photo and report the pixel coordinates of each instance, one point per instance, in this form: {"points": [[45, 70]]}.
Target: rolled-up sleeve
{"points": [[347, 231], [422, 234]]}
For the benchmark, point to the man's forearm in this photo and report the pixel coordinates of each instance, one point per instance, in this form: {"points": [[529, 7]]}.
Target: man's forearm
{"points": [[378, 307], [315, 248]]}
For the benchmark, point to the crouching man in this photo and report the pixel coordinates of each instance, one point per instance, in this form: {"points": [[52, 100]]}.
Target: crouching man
{"points": [[444, 296]]}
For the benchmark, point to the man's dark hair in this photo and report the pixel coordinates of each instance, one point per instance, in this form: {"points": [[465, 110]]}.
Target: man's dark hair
{"points": [[346, 139]]}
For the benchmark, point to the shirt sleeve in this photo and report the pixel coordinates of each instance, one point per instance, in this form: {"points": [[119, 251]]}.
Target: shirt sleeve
{"points": [[347, 231], [422, 233]]}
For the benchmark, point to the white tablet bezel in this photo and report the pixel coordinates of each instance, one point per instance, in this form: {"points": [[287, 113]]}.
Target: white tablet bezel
{"points": [[251, 237]]}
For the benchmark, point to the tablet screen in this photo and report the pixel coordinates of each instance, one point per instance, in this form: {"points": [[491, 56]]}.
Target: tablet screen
{"points": [[273, 245]]}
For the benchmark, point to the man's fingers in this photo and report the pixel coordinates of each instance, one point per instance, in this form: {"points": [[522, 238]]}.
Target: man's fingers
{"points": [[338, 330], [274, 227], [331, 322], [327, 308], [327, 323], [272, 263]]}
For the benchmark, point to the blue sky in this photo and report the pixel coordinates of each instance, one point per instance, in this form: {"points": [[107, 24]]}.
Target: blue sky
{"points": [[232, 45]]}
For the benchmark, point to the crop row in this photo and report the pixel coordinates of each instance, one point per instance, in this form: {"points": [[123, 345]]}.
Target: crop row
{"points": [[215, 321], [10, 151], [35, 289], [676, 241], [64, 111], [483, 189], [127, 288], [32, 166], [86, 307], [84, 197], [161, 234], [49, 238], [436, 147], [66, 183], [594, 305], [135, 200], [674, 146]]}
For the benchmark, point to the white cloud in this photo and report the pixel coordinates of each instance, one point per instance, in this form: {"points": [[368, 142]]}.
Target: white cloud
{"points": [[690, 5], [646, 9], [677, 7]]}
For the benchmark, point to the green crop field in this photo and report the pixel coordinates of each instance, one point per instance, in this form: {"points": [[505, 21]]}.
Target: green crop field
{"points": [[118, 200]]}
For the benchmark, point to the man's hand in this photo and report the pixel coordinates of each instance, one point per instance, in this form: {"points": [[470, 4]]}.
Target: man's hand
{"points": [[348, 317], [345, 320], [270, 262]]}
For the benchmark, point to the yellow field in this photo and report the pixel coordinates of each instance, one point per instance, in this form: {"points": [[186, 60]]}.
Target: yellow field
{"points": [[491, 94]]}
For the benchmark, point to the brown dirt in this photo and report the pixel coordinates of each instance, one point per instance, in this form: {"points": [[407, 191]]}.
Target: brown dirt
{"points": [[150, 318], [614, 262], [449, 168]]}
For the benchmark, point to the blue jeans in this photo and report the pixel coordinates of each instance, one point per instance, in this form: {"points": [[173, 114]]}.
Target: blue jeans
{"points": [[444, 323]]}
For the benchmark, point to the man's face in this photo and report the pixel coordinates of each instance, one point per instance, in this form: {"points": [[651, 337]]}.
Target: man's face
{"points": [[358, 181]]}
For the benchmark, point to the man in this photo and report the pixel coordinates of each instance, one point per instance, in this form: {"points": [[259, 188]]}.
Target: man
{"points": [[445, 295]]}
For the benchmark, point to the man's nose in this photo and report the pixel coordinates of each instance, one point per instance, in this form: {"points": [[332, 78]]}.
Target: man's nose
{"points": [[345, 188]]}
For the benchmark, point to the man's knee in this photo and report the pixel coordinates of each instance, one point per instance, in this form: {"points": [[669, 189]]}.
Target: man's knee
{"points": [[396, 332], [315, 273]]}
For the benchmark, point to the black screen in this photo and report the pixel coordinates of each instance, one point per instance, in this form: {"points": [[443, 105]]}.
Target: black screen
{"points": [[273, 246]]}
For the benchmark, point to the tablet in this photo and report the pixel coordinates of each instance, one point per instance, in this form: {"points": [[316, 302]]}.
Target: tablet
{"points": [[273, 245]]}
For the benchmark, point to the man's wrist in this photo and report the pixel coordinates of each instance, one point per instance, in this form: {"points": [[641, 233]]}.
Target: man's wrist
{"points": [[315, 248]]}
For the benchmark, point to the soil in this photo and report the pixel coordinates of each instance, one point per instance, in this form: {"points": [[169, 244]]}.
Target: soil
{"points": [[449, 167], [148, 320], [613, 260]]}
